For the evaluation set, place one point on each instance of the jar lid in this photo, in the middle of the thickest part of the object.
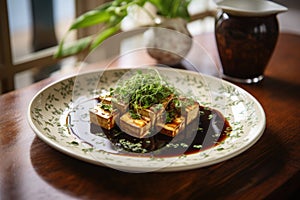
(250, 7)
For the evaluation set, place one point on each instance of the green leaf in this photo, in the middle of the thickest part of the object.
(172, 8)
(164, 7)
(182, 10)
(90, 18)
(104, 35)
(59, 51)
(175, 6)
(75, 48)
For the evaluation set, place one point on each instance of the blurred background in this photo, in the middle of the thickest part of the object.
(35, 27)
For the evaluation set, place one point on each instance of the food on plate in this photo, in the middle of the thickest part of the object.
(143, 113)
(145, 104)
(104, 116)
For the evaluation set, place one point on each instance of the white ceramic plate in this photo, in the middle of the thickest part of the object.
(49, 109)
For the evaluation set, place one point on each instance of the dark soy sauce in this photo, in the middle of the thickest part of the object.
(209, 130)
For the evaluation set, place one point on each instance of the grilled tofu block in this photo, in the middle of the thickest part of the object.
(103, 118)
(135, 127)
(190, 112)
(167, 100)
(151, 114)
(156, 111)
(121, 107)
(173, 128)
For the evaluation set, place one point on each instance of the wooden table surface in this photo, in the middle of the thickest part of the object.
(30, 169)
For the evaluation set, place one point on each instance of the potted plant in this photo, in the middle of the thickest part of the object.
(171, 14)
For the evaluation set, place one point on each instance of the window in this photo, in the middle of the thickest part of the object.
(21, 49)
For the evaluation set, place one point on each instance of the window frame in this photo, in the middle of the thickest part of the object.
(10, 67)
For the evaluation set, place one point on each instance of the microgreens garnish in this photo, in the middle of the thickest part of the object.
(107, 107)
(142, 91)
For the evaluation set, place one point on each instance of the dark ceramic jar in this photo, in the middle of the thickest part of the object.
(245, 41)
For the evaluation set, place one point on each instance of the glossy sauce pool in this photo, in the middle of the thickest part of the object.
(209, 130)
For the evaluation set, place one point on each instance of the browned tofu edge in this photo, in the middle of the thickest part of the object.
(106, 121)
(173, 128)
(137, 128)
(191, 112)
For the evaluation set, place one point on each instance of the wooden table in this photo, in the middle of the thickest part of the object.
(30, 169)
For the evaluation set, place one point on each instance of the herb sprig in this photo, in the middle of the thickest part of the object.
(143, 90)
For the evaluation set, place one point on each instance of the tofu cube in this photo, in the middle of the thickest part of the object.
(103, 118)
(151, 114)
(190, 112)
(122, 108)
(135, 127)
(173, 128)
(156, 111)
